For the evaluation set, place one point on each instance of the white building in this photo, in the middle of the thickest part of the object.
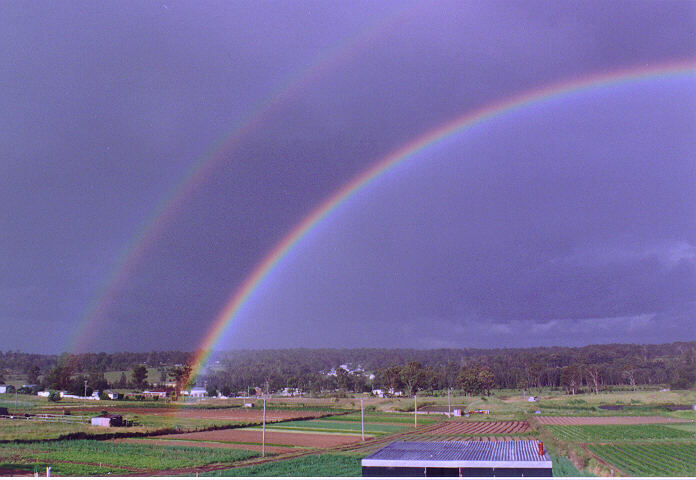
(198, 392)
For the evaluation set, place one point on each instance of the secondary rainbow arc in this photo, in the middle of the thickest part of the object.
(168, 206)
(381, 167)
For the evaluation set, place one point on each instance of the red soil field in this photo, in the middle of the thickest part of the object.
(605, 420)
(281, 438)
(178, 443)
(480, 428)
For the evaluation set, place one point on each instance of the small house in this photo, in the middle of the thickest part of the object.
(107, 421)
(198, 392)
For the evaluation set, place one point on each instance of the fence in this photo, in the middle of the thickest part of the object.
(49, 417)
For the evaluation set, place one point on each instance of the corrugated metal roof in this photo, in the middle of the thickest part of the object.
(510, 451)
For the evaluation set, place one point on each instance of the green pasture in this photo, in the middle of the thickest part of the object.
(389, 418)
(325, 465)
(125, 455)
(653, 459)
(612, 433)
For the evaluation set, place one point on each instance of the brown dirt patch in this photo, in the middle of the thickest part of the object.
(279, 438)
(605, 420)
(181, 443)
(480, 428)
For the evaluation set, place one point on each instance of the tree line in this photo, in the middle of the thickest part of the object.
(473, 371)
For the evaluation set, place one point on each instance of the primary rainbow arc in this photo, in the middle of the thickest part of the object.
(468, 120)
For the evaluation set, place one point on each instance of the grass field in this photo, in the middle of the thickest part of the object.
(338, 427)
(325, 465)
(390, 418)
(114, 455)
(611, 433)
(659, 459)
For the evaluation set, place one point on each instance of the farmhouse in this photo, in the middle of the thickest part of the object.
(155, 394)
(198, 392)
(107, 421)
(459, 459)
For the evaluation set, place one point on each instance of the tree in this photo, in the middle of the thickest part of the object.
(123, 381)
(139, 376)
(54, 397)
(413, 376)
(33, 374)
(486, 379)
(595, 375)
(182, 376)
(468, 380)
(629, 373)
(571, 377)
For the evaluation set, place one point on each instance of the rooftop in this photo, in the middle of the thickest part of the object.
(460, 454)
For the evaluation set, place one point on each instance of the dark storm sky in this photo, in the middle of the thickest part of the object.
(565, 223)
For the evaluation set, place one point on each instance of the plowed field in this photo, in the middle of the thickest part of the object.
(605, 420)
(480, 428)
(238, 435)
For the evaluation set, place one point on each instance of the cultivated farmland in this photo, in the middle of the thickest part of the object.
(605, 420)
(253, 436)
(110, 456)
(610, 433)
(481, 428)
(663, 459)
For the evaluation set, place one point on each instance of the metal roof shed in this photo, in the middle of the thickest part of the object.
(458, 459)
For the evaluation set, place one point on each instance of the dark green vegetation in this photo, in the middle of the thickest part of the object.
(64, 454)
(562, 467)
(474, 371)
(661, 459)
(610, 433)
(325, 465)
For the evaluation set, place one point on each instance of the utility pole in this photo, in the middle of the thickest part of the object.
(263, 431)
(84, 402)
(362, 420)
(415, 410)
(449, 403)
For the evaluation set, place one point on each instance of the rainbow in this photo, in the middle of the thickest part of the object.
(201, 170)
(386, 164)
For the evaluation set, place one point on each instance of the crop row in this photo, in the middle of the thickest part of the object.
(482, 428)
(325, 465)
(608, 433)
(124, 455)
(655, 459)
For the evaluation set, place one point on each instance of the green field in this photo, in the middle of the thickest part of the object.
(611, 433)
(656, 459)
(128, 456)
(326, 465)
(390, 418)
(337, 427)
